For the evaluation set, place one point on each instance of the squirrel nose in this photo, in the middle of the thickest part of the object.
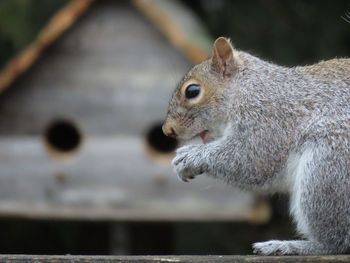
(169, 131)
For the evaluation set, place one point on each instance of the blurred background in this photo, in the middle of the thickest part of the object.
(84, 166)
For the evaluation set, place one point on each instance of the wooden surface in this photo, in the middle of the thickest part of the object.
(110, 178)
(58, 24)
(111, 75)
(177, 259)
(179, 25)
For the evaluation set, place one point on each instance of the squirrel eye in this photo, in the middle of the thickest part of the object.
(192, 91)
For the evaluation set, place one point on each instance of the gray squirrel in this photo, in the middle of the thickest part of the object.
(268, 128)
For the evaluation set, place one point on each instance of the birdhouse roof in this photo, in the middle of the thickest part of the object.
(179, 26)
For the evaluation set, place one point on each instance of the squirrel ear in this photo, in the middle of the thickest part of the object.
(223, 59)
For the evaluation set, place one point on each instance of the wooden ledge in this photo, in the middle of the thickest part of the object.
(164, 259)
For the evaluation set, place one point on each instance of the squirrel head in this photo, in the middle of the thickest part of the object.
(198, 104)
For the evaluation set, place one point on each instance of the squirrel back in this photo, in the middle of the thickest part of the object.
(338, 68)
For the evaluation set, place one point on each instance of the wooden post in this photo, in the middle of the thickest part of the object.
(120, 239)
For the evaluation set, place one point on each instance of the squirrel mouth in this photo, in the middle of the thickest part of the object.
(205, 136)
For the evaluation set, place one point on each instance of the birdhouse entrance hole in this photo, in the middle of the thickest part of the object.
(62, 137)
(158, 142)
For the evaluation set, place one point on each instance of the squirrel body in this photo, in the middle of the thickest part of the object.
(269, 128)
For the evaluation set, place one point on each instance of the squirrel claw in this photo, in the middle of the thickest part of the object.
(187, 162)
(185, 179)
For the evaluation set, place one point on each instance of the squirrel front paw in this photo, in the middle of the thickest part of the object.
(188, 162)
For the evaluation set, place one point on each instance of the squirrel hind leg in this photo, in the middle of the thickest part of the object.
(290, 247)
(320, 200)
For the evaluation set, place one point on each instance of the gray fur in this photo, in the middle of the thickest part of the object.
(287, 130)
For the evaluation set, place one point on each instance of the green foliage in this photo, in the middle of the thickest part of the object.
(289, 32)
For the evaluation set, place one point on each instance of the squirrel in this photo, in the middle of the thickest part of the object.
(268, 128)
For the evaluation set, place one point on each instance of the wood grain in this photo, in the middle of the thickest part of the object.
(174, 259)
(110, 178)
(111, 75)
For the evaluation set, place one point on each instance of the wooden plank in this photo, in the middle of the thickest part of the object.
(58, 24)
(110, 178)
(111, 75)
(179, 25)
(104, 82)
(177, 259)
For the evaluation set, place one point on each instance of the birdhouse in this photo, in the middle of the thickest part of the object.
(81, 110)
